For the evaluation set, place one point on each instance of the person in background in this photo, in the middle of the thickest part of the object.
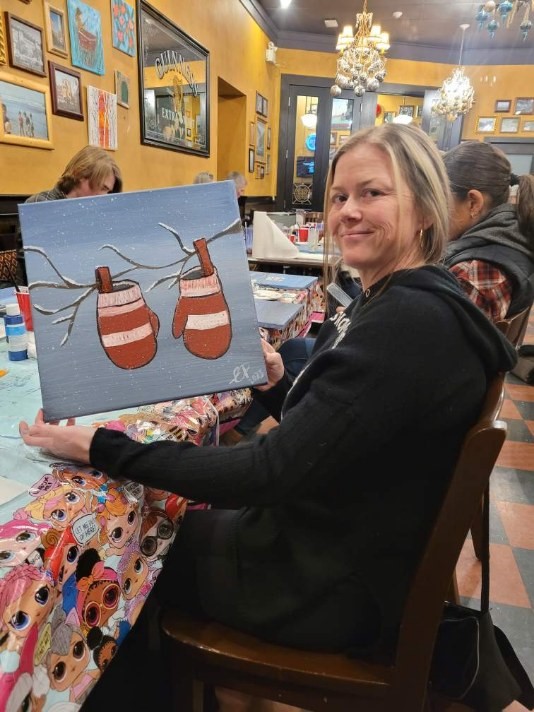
(239, 180)
(204, 177)
(92, 171)
(336, 502)
(492, 241)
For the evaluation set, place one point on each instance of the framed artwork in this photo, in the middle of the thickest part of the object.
(3, 50)
(265, 107)
(502, 106)
(418, 111)
(407, 110)
(259, 103)
(389, 116)
(528, 126)
(122, 89)
(510, 125)
(342, 138)
(102, 118)
(268, 165)
(251, 160)
(269, 138)
(524, 105)
(25, 113)
(260, 171)
(174, 85)
(25, 45)
(486, 124)
(123, 26)
(66, 88)
(252, 133)
(85, 30)
(260, 138)
(150, 352)
(56, 30)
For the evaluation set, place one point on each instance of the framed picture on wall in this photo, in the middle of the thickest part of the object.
(251, 160)
(260, 138)
(122, 89)
(66, 88)
(259, 103)
(174, 93)
(56, 30)
(389, 116)
(25, 45)
(123, 26)
(269, 138)
(486, 124)
(528, 126)
(503, 106)
(85, 34)
(407, 110)
(252, 133)
(510, 125)
(26, 112)
(265, 107)
(3, 50)
(524, 105)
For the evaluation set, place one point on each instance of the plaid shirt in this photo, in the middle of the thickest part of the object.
(486, 286)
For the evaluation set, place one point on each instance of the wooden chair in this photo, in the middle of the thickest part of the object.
(207, 652)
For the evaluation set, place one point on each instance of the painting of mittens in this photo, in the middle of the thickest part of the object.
(127, 327)
(202, 314)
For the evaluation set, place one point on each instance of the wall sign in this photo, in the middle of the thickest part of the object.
(174, 85)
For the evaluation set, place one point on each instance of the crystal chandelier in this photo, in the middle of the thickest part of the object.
(360, 65)
(456, 96)
(506, 10)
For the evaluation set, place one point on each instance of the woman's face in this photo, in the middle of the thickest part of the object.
(364, 215)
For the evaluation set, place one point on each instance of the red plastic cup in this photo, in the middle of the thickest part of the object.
(303, 234)
(23, 299)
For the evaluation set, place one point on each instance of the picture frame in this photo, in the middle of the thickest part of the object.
(260, 171)
(268, 144)
(265, 107)
(173, 96)
(510, 124)
(502, 106)
(3, 49)
(18, 125)
(342, 138)
(85, 35)
(102, 118)
(122, 89)
(251, 160)
(268, 165)
(389, 116)
(260, 138)
(524, 105)
(528, 126)
(252, 133)
(66, 89)
(123, 27)
(407, 110)
(259, 103)
(25, 45)
(486, 124)
(418, 111)
(56, 30)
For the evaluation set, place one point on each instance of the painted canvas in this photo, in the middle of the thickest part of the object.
(123, 26)
(102, 118)
(85, 30)
(140, 298)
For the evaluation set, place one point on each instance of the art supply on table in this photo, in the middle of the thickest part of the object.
(338, 294)
(23, 299)
(17, 336)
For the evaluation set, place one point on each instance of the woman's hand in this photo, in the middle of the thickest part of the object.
(70, 443)
(273, 364)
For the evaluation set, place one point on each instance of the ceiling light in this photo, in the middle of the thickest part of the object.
(284, 4)
(331, 23)
(506, 10)
(456, 95)
(397, 14)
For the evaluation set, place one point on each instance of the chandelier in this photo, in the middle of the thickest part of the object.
(507, 11)
(360, 65)
(456, 96)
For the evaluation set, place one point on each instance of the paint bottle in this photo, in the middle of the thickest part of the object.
(16, 334)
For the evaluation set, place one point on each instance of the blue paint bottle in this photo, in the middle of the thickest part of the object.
(16, 334)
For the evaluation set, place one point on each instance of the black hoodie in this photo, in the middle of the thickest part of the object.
(345, 490)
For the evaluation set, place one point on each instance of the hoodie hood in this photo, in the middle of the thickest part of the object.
(494, 349)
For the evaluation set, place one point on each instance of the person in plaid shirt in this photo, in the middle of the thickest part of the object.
(491, 252)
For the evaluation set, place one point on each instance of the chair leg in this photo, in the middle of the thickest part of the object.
(476, 532)
(187, 692)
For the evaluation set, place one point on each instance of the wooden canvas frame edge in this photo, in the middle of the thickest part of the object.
(25, 140)
(9, 16)
(116, 73)
(48, 27)
(159, 17)
(52, 69)
(3, 41)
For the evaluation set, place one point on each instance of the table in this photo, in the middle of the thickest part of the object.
(79, 552)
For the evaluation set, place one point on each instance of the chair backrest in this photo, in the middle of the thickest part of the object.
(514, 328)
(424, 606)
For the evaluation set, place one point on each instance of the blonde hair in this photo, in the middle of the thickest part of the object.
(92, 163)
(204, 177)
(416, 161)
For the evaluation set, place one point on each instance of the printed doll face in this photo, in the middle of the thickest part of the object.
(107, 653)
(134, 576)
(64, 509)
(120, 529)
(71, 553)
(16, 549)
(101, 602)
(64, 670)
(155, 543)
(90, 480)
(30, 609)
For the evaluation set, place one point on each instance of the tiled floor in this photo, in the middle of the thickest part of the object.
(511, 527)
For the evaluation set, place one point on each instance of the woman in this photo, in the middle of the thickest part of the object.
(321, 552)
(492, 248)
